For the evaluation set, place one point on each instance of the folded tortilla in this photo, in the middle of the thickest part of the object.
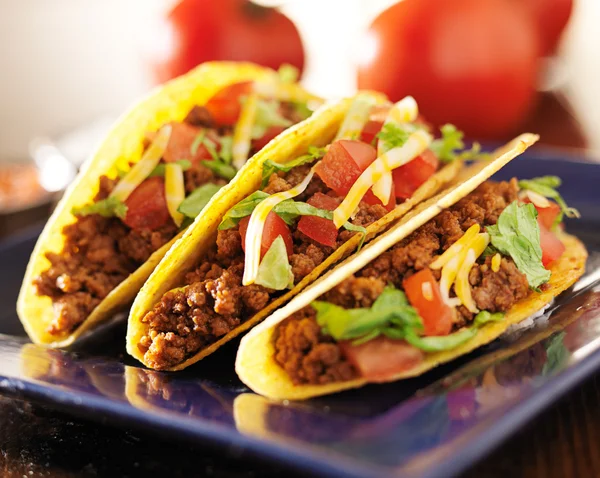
(122, 146)
(318, 130)
(255, 364)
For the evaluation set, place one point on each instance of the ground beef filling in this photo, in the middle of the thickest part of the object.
(309, 357)
(99, 253)
(187, 320)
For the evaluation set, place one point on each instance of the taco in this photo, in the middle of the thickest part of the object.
(156, 170)
(451, 276)
(333, 182)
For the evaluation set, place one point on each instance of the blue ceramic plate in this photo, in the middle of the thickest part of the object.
(436, 425)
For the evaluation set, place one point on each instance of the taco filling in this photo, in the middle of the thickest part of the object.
(432, 291)
(305, 209)
(138, 210)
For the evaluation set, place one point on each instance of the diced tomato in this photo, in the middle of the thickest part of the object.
(272, 131)
(343, 164)
(380, 359)
(409, 177)
(147, 205)
(370, 130)
(552, 247)
(182, 139)
(225, 106)
(317, 228)
(546, 215)
(423, 293)
(274, 226)
(370, 198)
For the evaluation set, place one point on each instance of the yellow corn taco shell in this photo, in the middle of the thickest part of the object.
(319, 130)
(255, 364)
(123, 145)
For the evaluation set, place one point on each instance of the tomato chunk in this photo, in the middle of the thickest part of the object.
(274, 226)
(423, 293)
(317, 228)
(380, 359)
(343, 164)
(409, 177)
(225, 106)
(182, 139)
(147, 205)
(272, 131)
(370, 130)
(552, 247)
(547, 215)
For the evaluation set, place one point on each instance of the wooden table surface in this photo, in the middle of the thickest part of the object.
(561, 442)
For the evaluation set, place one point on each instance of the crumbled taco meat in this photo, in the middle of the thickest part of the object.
(99, 253)
(215, 302)
(307, 355)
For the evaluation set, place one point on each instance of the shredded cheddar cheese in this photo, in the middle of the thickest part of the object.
(404, 111)
(142, 169)
(427, 290)
(417, 142)
(496, 262)
(456, 248)
(256, 225)
(242, 135)
(355, 119)
(174, 190)
(462, 288)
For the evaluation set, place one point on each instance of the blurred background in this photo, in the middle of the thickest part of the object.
(493, 67)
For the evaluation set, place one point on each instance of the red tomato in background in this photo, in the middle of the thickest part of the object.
(381, 358)
(196, 31)
(436, 314)
(317, 228)
(472, 63)
(274, 226)
(551, 18)
(409, 177)
(147, 205)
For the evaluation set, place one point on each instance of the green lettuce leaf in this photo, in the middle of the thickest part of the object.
(267, 115)
(270, 167)
(517, 234)
(288, 73)
(221, 168)
(546, 186)
(557, 354)
(393, 135)
(109, 207)
(275, 271)
(192, 205)
(289, 210)
(160, 169)
(450, 146)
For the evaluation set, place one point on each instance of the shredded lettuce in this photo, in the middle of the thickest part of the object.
(517, 234)
(267, 115)
(391, 315)
(288, 73)
(220, 168)
(289, 210)
(192, 205)
(393, 135)
(557, 354)
(270, 167)
(109, 207)
(160, 169)
(546, 186)
(275, 271)
(450, 146)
